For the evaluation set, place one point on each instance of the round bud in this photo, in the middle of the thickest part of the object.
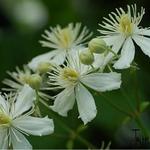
(35, 81)
(97, 45)
(86, 57)
(43, 67)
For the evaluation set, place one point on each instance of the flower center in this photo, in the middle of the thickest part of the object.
(4, 119)
(69, 75)
(65, 38)
(125, 25)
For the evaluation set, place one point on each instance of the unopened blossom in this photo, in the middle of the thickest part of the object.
(61, 41)
(121, 30)
(16, 120)
(19, 78)
(73, 79)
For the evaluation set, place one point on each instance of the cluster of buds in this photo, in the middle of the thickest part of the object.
(97, 46)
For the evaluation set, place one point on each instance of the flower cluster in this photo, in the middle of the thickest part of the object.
(74, 67)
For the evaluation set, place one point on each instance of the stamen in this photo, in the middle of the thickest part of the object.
(125, 25)
(4, 119)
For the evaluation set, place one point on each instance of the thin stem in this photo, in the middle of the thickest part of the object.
(136, 116)
(136, 92)
(37, 109)
(114, 53)
(116, 106)
(143, 128)
(132, 115)
(127, 99)
(81, 139)
(109, 67)
(59, 135)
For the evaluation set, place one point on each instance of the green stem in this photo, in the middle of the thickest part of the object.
(81, 139)
(115, 54)
(127, 99)
(143, 128)
(37, 109)
(136, 116)
(131, 115)
(116, 106)
(136, 92)
(109, 67)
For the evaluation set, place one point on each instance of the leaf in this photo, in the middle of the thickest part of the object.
(144, 105)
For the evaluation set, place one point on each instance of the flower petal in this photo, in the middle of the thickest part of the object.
(64, 101)
(18, 140)
(142, 31)
(74, 60)
(34, 126)
(59, 58)
(102, 81)
(42, 58)
(116, 41)
(143, 43)
(86, 104)
(127, 55)
(98, 60)
(3, 139)
(24, 101)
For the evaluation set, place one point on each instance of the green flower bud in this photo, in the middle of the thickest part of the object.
(97, 45)
(43, 67)
(35, 81)
(86, 57)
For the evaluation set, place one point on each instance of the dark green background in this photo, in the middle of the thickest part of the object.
(19, 43)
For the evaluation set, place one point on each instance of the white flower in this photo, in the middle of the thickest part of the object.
(19, 79)
(61, 41)
(72, 79)
(15, 119)
(120, 30)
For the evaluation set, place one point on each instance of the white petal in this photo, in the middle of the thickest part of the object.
(64, 101)
(34, 126)
(24, 101)
(143, 43)
(102, 81)
(18, 140)
(3, 139)
(127, 55)
(46, 57)
(116, 42)
(86, 104)
(98, 60)
(142, 32)
(59, 58)
(74, 60)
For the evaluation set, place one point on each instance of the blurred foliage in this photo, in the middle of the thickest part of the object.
(21, 26)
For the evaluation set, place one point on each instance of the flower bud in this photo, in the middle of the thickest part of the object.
(43, 67)
(35, 81)
(86, 57)
(97, 45)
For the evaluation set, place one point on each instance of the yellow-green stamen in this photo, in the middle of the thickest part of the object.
(126, 25)
(69, 74)
(65, 38)
(4, 119)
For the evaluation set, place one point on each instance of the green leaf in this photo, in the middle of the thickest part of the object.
(144, 105)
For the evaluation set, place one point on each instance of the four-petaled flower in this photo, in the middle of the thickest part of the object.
(61, 41)
(15, 120)
(119, 32)
(73, 78)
